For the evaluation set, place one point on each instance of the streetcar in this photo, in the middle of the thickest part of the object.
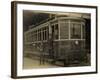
(61, 39)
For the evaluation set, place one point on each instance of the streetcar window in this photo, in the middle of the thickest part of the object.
(75, 31)
(45, 34)
(83, 29)
(56, 31)
(36, 35)
(52, 31)
(33, 36)
(40, 35)
(64, 30)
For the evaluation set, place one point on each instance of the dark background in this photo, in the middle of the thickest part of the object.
(32, 18)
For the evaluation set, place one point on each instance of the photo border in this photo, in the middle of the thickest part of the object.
(14, 37)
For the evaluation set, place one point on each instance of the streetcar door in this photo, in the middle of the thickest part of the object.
(50, 42)
(53, 45)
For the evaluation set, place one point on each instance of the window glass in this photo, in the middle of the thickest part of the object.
(36, 35)
(83, 29)
(64, 30)
(75, 31)
(33, 36)
(52, 31)
(40, 35)
(56, 31)
(45, 34)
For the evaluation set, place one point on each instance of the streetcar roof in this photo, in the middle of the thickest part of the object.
(46, 22)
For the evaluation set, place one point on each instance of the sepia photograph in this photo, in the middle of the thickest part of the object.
(53, 39)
